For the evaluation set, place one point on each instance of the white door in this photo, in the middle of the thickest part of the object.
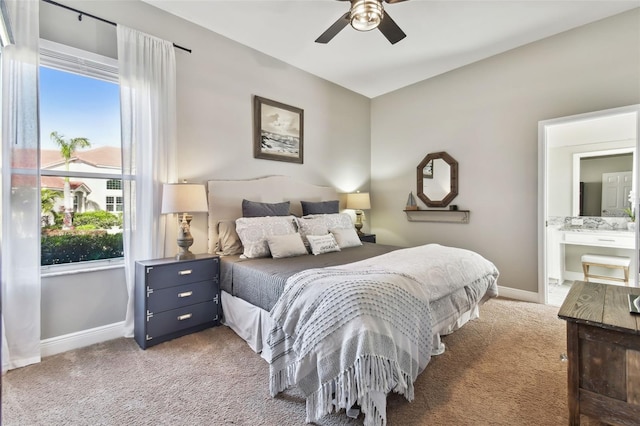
(615, 193)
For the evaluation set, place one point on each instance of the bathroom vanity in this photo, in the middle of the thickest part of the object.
(596, 241)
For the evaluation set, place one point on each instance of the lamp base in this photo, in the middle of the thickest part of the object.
(185, 240)
(186, 255)
(359, 223)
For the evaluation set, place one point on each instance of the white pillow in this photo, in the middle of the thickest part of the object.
(322, 243)
(346, 237)
(254, 231)
(311, 226)
(288, 245)
(334, 220)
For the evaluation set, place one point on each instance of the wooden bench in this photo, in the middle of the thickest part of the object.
(605, 261)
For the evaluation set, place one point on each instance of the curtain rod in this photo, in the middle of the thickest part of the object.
(81, 13)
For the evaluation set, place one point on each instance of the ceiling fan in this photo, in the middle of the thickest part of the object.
(366, 15)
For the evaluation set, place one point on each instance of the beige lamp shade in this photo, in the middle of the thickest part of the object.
(358, 201)
(183, 198)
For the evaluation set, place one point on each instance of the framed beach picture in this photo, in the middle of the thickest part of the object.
(278, 131)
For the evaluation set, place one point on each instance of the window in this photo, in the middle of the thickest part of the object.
(80, 156)
(114, 204)
(114, 184)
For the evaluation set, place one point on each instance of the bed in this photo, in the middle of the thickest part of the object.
(349, 324)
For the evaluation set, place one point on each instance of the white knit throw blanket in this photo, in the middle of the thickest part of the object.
(351, 334)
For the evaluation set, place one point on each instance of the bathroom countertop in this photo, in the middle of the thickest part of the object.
(599, 231)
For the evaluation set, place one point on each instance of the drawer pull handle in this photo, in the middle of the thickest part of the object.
(184, 317)
(606, 240)
(185, 272)
(185, 294)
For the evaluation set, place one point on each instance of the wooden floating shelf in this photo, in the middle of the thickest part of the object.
(457, 216)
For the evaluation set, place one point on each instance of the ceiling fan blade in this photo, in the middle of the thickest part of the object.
(394, 1)
(334, 29)
(390, 29)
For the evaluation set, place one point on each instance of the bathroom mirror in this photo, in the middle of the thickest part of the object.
(602, 181)
(437, 179)
(573, 149)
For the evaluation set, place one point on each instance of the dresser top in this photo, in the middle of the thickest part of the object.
(601, 305)
(167, 260)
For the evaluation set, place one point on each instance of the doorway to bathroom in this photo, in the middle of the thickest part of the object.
(588, 195)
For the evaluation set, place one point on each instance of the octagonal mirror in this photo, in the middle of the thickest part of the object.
(437, 178)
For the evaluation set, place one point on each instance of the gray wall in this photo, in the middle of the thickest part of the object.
(486, 115)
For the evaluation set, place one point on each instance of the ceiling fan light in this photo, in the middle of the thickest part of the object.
(366, 15)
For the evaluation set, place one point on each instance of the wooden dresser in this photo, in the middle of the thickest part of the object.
(603, 348)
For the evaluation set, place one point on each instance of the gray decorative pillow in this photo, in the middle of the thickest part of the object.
(288, 245)
(228, 240)
(336, 220)
(319, 207)
(254, 231)
(321, 244)
(346, 237)
(257, 209)
(311, 226)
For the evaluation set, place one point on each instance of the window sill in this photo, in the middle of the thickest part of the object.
(81, 268)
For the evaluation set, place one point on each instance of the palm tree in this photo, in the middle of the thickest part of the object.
(67, 148)
(48, 199)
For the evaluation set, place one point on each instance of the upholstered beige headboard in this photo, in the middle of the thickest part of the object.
(225, 197)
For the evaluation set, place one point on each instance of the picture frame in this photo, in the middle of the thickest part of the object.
(278, 131)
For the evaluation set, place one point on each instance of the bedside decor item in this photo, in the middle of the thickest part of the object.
(184, 198)
(278, 131)
(359, 201)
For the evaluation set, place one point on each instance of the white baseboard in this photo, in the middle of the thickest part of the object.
(514, 293)
(80, 339)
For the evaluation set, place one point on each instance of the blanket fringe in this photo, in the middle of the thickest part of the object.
(365, 383)
(282, 380)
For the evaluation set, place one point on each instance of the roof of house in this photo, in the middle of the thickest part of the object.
(57, 183)
(104, 156)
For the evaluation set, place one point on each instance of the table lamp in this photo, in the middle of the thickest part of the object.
(359, 201)
(184, 198)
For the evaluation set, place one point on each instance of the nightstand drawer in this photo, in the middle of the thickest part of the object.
(179, 296)
(179, 319)
(179, 273)
(368, 238)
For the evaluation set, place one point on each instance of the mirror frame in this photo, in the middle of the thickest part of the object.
(575, 176)
(453, 190)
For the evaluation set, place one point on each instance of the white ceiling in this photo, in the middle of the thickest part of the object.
(441, 35)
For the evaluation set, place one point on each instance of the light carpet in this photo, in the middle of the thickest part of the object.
(504, 368)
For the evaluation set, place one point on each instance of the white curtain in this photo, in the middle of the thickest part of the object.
(20, 189)
(148, 108)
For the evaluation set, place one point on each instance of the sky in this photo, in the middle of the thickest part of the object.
(77, 106)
